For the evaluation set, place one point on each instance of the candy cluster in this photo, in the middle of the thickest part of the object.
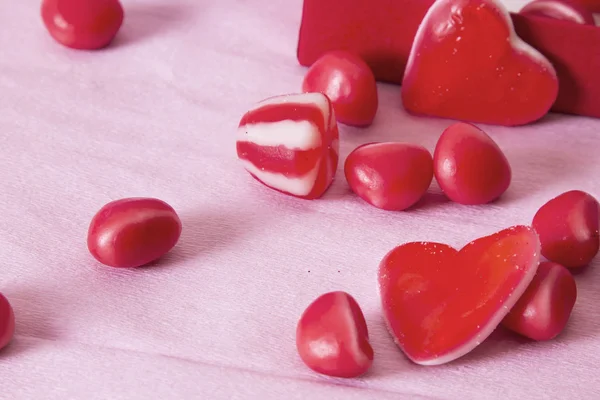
(438, 302)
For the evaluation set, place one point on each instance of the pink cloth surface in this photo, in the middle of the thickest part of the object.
(156, 115)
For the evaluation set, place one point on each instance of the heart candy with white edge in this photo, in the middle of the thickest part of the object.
(467, 63)
(290, 143)
(440, 303)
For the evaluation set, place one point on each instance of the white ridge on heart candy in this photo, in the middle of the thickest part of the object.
(516, 42)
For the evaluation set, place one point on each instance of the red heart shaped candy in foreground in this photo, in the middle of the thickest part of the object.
(390, 176)
(82, 24)
(332, 337)
(469, 166)
(132, 232)
(568, 228)
(559, 9)
(440, 303)
(7, 322)
(348, 82)
(290, 143)
(467, 63)
(544, 309)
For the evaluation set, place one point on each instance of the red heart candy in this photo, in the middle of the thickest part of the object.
(440, 303)
(132, 232)
(568, 228)
(543, 310)
(467, 63)
(82, 24)
(559, 9)
(348, 82)
(290, 143)
(332, 337)
(7, 322)
(390, 176)
(469, 166)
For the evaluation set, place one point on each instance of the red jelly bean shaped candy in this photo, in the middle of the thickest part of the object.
(132, 232)
(559, 9)
(290, 143)
(568, 228)
(467, 63)
(7, 322)
(543, 310)
(469, 166)
(332, 337)
(390, 176)
(82, 24)
(348, 82)
(440, 303)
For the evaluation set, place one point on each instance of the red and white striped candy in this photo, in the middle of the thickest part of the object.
(290, 143)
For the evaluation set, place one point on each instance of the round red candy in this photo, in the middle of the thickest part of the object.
(132, 232)
(568, 228)
(469, 166)
(390, 176)
(543, 311)
(332, 337)
(82, 24)
(348, 82)
(7, 322)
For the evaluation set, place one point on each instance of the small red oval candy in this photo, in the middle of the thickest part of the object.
(566, 10)
(7, 322)
(132, 232)
(350, 84)
(568, 228)
(544, 309)
(332, 337)
(82, 24)
(469, 166)
(390, 176)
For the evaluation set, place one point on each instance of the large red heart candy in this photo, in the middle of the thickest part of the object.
(440, 303)
(290, 143)
(467, 63)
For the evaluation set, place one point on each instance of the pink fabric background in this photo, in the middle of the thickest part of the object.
(155, 115)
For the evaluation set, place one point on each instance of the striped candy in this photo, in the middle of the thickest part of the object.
(290, 143)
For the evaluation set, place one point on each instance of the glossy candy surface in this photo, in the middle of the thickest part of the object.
(568, 228)
(132, 232)
(332, 337)
(440, 303)
(544, 309)
(348, 82)
(559, 9)
(7, 322)
(291, 143)
(467, 63)
(469, 166)
(82, 24)
(390, 176)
